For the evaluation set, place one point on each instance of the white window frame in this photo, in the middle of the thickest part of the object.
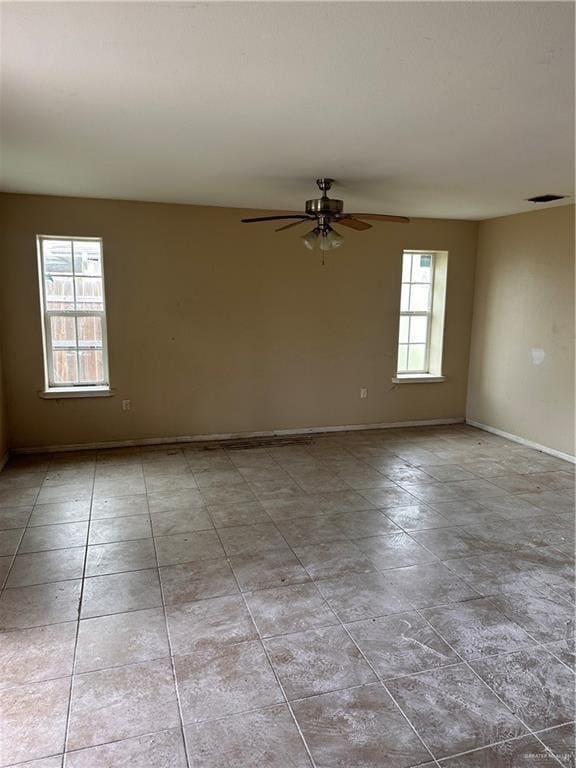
(52, 388)
(421, 313)
(431, 371)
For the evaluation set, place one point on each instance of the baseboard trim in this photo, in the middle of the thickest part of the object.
(234, 435)
(523, 441)
(4, 460)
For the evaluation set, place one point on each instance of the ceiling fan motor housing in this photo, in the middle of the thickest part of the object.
(324, 206)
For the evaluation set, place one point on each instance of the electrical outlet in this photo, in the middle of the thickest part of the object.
(363, 393)
(126, 405)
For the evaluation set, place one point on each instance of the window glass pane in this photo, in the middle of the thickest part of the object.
(65, 364)
(422, 268)
(89, 288)
(419, 329)
(419, 298)
(416, 357)
(59, 292)
(91, 367)
(89, 331)
(63, 332)
(404, 325)
(405, 297)
(72, 273)
(57, 256)
(402, 358)
(406, 262)
(87, 258)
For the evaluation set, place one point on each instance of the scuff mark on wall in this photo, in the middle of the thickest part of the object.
(538, 355)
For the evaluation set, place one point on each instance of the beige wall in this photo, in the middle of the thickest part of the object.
(522, 356)
(218, 327)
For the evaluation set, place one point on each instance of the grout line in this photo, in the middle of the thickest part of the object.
(484, 683)
(265, 650)
(363, 656)
(383, 684)
(74, 655)
(496, 744)
(172, 665)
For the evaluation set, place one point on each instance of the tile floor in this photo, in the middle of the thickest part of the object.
(378, 599)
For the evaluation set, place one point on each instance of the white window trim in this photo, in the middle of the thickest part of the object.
(435, 314)
(52, 390)
(91, 391)
(417, 378)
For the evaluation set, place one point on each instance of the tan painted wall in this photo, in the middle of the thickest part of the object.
(524, 301)
(218, 327)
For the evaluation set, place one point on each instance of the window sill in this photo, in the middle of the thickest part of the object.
(418, 378)
(66, 392)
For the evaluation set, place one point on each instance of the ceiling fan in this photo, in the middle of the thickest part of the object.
(325, 212)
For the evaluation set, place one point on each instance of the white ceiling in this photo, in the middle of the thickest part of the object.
(437, 109)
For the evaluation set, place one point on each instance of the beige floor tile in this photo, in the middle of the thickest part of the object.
(401, 644)
(61, 536)
(288, 609)
(166, 502)
(68, 492)
(17, 497)
(122, 702)
(188, 547)
(14, 517)
(5, 565)
(267, 738)
(197, 581)
(272, 568)
(105, 488)
(46, 567)
(234, 494)
(157, 750)
(363, 595)
(225, 681)
(22, 607)
(10, 541)
(120, 556)
(251, 539)
(202, 625)
(33, 720)
(122, 638)
(338, 558)
(358, 727)
(180, 521)
(120, 592)
(119, 529)
(37, 654)
(60, 512)
(119, 506)
(227, 515)
(317, 661)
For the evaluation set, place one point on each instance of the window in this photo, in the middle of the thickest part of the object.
(422, 303)
(73, 313)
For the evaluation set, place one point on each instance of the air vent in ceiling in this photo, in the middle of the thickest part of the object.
(545, 198)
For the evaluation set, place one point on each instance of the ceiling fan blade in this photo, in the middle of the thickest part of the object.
(380, 217)
(293, 224)
(274, 218)
(348, 221)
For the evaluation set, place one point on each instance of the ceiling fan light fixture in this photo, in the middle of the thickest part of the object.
(326, 240)
(333, 239)
(310, 240)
